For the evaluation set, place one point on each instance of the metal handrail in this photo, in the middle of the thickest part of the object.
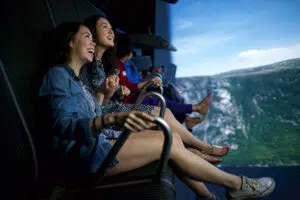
(122, 139)
(164, 158)
(156, 75)
(125, 134)
(160, 98)
(144, 90)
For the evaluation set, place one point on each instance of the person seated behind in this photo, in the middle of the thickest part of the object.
(144, 74)
(77, 128)
(124, 52)
(155, 69)
(132, 72)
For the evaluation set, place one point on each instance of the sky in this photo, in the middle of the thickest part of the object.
(215, 36)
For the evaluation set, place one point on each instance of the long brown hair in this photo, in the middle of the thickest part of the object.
(109, 56)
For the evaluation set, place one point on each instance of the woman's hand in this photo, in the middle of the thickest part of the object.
(113, 80)
(109, 86)
(133, 121)
(156, 81)
(124, 90)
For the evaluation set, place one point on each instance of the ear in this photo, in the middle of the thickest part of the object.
(71, 43)
(129, 56)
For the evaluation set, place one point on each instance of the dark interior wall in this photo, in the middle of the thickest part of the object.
(22, 23)
(134, 16)
(163, 28)
(22, 26)
(72, 10)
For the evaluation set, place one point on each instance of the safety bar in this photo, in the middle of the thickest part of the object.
(156, 75)
(144, 90)
(122, 139)
(164, 158)
(160, 98)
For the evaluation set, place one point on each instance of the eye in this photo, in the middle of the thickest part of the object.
(88, 35)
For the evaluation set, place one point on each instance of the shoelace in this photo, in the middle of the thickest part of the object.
(252, 184)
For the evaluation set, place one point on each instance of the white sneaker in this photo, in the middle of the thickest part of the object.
(252, 188)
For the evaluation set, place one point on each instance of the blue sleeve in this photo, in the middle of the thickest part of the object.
(132, 72)
(56, 91)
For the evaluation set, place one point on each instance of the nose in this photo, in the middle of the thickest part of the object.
(111, 31)
(93, 44)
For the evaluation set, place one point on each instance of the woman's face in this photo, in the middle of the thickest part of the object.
(82, 45)
(105, 34)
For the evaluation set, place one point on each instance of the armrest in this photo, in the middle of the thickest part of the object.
(144, 90)
(160, 98)
(163, 162)
(155, 75)
(162, 124)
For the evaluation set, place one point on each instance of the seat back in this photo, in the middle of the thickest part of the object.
(142, 62)
(18, 151)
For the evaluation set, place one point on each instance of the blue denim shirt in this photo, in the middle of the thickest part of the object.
(132, 72)
(70, 117)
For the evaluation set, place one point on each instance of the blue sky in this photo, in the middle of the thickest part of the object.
(214, 36)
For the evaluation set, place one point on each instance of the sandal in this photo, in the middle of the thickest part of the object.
(210, 159)
(216, 150)
(205, 156)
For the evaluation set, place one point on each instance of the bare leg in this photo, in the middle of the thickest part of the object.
(145, 147)
(186, 136)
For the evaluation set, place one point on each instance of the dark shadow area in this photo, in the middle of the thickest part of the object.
(287, 182)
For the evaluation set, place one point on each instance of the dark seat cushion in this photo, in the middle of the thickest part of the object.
(141, 183)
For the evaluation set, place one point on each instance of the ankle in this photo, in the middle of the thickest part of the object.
(194, 107)
(238, 183)
(234, 183)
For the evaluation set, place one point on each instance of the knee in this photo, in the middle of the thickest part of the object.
(177, 143)
(176, 136)
(168, 114)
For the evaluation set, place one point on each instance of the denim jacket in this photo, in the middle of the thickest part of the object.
(70, 117)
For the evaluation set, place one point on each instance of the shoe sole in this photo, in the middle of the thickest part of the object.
(265, 193)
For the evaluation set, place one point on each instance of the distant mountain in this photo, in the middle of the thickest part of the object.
(257, 116)
(286, 64)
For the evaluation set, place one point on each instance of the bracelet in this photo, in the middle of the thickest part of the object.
(102, 121)
(94, 124)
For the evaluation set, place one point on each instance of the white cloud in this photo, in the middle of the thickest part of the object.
(183, 24)
(242, 60)
(196, 44)
(256, 57)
